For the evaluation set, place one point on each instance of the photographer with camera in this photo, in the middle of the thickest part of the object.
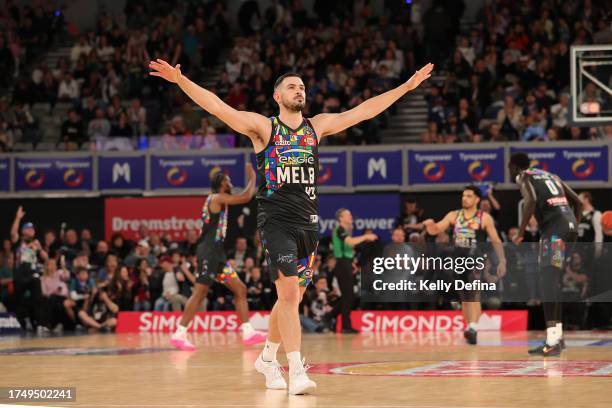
(29, 256)
(99, 311)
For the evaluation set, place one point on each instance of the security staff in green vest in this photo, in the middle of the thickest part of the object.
(343, 244)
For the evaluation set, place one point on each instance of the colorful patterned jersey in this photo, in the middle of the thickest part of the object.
(467, 232)
(214, 227)
(551, 203)
(288, 170)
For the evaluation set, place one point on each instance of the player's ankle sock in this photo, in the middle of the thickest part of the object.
(473, 326)
(181, 330)
(269, 351)
(552, 336)
(295, 361)
(559, 327)
(247, 330)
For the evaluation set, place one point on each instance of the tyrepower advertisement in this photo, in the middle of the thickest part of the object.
(161, 215)
(365, 321)
(429, 321)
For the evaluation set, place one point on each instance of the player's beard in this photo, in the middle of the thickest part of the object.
(294, 105)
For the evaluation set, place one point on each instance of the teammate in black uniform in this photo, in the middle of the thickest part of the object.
(212, 263)
(556, 208)
(288, 163)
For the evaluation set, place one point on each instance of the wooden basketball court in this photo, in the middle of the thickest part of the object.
(366, 370)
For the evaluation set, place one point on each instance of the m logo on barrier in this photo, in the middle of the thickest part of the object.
(379, 166)
(121, 170)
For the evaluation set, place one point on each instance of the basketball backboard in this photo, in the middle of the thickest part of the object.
(591, 85)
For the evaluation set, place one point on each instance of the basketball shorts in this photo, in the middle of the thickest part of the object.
(211, 270)
(292, 251)
(554, 244)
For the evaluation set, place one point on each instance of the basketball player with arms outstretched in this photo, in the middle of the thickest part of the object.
(288, 163)
(557, 208)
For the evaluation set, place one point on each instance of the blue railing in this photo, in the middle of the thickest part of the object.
(342, 169)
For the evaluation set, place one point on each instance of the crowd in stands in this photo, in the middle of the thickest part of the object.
(76, 279)
(504, 77)
(508, 75)
(344, 55)
(104, 81)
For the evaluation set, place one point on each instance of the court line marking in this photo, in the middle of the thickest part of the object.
(305, 399)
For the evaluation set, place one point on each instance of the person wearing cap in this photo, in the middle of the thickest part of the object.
(29, 255)
(142, 250)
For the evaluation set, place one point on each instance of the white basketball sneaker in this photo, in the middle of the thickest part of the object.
(299, 383)
(273, 373)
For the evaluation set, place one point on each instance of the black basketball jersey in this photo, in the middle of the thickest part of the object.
(288, 171)
(214, 228)
(551, 203)
(586, 228)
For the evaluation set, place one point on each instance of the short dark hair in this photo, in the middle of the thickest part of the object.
(474, 189)
(79, 269)
(520, 160)
(281, 78)
(216, 180)
(588, 196)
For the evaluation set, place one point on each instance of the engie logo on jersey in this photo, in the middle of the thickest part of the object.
(290, 169)
(293, 157)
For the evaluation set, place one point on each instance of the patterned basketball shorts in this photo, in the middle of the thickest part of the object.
(222, 272)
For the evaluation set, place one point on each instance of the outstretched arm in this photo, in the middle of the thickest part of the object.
(233, 199)
(493, 200)
(354, 241)
(250, 124)
(15, 226)
(326, 124)
(434, 228)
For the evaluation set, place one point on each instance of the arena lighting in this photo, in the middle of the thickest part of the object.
(589, 108)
